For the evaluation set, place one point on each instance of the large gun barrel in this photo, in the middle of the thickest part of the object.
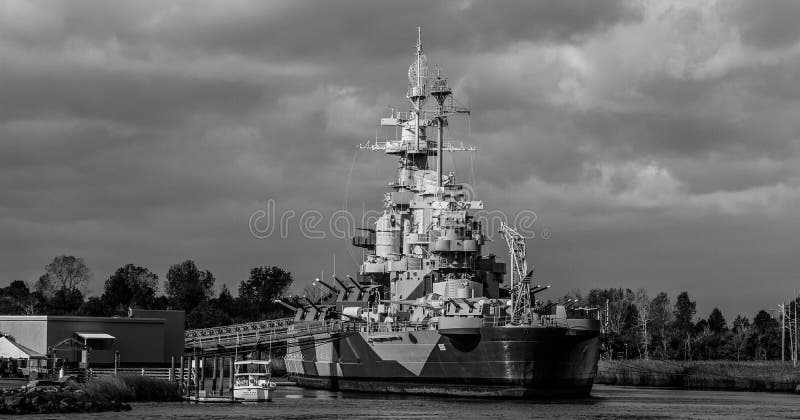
(310, 302)
(358, 286)
(286, 305)
(538, 289)
(298, 303)
(344, 286)
(328, 286)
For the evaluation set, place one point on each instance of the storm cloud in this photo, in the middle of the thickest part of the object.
(656, 141)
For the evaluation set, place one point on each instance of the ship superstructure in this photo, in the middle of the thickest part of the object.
(429, 311)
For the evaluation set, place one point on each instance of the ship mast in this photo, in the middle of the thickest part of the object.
(420, 96)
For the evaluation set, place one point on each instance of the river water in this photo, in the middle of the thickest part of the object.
(607, 402)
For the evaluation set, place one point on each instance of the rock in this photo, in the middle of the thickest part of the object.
(12, 400)
(41, 382)
(64, 406)
(37, 400)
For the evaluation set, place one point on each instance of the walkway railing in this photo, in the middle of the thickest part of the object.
(266, 325)
(242, 335)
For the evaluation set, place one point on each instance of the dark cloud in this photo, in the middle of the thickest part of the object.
(768, 24)
(642, 134)
(116, 95)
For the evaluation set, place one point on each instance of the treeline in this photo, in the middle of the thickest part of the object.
(59, 291)
(637, 326)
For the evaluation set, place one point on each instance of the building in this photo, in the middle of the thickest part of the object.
(16, 359)
(145, 338)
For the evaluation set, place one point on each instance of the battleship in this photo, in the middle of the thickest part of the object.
(430, 311)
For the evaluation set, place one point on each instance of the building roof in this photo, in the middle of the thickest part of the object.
(95, 336)
(13, 350)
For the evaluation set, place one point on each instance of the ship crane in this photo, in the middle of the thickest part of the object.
(520, 277)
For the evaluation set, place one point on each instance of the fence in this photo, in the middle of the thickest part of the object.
(160, 373)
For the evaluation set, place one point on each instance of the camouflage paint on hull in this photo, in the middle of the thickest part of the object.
(524, 362)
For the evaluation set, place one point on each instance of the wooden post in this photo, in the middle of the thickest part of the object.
(197, 376)
(221, 375)
(202, 374)
(180, 377)
(172, 369)
(231, 381)
(213, 374)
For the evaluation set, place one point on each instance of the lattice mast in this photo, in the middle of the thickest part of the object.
(520, 277)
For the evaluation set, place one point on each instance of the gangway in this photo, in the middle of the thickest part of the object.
(224, 339)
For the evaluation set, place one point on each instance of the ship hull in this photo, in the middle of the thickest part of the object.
(516, 362)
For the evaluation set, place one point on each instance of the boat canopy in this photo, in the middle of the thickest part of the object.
(252, 367)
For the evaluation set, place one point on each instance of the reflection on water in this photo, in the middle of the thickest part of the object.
(606, 402)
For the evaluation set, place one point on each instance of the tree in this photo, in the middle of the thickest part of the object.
(642, 303)
(716, 322)
(684, 312)
(64, 302)
(206, 315)
(264, 285)
(661, 316)
(683, 325)
(68, 272)
(315, 293)
(16, 290)
(94, 306)
(13, 298)
(741, 334)
(187, 286)
(44, 286)
(765, 343)
(130, 286)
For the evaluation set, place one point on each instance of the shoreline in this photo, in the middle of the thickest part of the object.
(755, 376)
(97, 395)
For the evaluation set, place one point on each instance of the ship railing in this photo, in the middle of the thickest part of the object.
(496, 321)
(236, 338)
(402, 326)
(414, 263)
(269, 324)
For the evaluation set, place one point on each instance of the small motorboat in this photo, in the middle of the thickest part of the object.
(252, 381)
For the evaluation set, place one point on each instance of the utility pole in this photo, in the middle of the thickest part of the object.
(794, 359)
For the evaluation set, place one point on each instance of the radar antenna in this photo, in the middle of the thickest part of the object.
(520, 277)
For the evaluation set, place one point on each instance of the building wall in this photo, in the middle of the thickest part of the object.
(30, 331)
(139, 341)
(150, 340)
(174, 327)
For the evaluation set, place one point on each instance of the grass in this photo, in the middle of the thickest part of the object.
(125, 388)
(749, 376)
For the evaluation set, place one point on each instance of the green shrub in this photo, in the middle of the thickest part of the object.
(750, 375)
(132, 388)
(110, 388)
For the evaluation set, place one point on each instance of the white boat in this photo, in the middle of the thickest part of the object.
(251, 381)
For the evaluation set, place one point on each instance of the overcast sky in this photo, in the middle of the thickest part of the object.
(656, 140)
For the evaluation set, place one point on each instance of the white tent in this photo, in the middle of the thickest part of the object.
(24, 358)
(10, 349)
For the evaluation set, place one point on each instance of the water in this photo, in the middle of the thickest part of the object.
(607, 402)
